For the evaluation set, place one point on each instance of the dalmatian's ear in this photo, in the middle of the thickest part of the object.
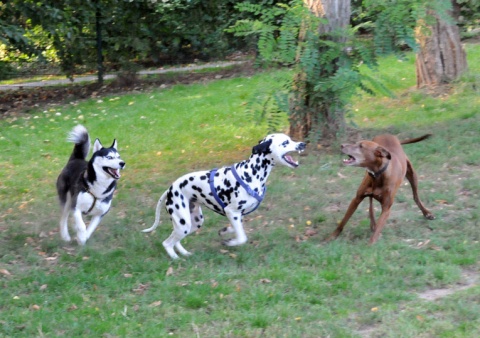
(262, 148)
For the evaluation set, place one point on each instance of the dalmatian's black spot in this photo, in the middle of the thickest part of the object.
(196, 219)
(199, 226)
(191, 178)
(186, 232)
(183, 205)
(170, 211)
(235, 218)
(183, 184)
(176, 193)
(203, 177)
(177, 206)
(182, 221)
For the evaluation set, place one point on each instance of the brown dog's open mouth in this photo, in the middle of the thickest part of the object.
(350, 160)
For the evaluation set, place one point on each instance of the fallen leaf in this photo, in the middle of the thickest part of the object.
(43, 287)
(35, 307)
(5, 272)
(374, 309)
(155, 304)
(169, 271)
(72, 307)
(127, 275)
(310, 232)
(265, 281)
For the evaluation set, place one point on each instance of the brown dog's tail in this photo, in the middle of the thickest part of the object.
(417, 139)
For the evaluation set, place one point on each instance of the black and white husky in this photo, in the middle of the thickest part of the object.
(87, 187)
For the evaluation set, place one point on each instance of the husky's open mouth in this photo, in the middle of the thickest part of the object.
(115, 173)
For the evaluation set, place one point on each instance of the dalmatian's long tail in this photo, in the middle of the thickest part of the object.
(157, 213)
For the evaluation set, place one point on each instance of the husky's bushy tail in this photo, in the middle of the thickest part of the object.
(79, 136)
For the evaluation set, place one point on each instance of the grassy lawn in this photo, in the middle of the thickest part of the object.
(286, 282)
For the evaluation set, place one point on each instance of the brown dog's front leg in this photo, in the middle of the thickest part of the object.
(387, 203)
(351, 209)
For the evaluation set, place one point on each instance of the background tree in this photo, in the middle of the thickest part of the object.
(440, 57)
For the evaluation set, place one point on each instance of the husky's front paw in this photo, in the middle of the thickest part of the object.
(82, 239)
(65, 236)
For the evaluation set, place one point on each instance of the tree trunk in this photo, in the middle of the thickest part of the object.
(441, 58)
(305, 115)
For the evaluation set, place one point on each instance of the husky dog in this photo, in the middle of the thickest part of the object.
(87, 187)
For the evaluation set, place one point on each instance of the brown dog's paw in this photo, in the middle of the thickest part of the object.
(430, 216)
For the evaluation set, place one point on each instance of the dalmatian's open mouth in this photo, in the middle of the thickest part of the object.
(115, 173)
(290, 160)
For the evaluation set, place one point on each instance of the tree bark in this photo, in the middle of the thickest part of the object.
(304, 114)
(441, 58)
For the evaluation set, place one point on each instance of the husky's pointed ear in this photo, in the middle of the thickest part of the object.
(97, 145)
(114, 144)
(262, 148)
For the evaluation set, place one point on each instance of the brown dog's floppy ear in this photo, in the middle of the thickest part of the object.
(382, 152)
(262, 148)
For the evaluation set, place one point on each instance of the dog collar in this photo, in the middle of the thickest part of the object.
(378, 173)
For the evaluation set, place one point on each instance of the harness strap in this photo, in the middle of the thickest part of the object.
(249, 190)
(94, 201)
(378, 173)
(91, 194)
(214, 191)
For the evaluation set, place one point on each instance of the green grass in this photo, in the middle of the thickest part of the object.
(283, 283)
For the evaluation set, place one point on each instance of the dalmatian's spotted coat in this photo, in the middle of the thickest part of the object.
(184, 198)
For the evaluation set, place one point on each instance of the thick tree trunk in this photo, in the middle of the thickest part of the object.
(305, 116)
(441, 58)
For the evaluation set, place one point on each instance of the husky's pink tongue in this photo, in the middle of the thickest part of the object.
(115, 173)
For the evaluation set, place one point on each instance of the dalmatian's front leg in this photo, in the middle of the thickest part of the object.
(235, 218)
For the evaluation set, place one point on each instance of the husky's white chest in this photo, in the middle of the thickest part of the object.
(87, 203)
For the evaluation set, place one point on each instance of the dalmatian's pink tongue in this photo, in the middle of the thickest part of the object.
(290, 160)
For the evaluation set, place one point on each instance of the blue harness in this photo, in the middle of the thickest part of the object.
(249, 190)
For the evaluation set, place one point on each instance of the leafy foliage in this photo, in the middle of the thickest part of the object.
(325, 68)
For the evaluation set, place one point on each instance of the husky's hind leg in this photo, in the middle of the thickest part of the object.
(64, 219)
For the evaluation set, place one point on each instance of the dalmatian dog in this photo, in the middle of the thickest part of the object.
(232, 191)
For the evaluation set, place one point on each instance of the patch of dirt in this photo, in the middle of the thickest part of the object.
(469, 279)
(14, 102)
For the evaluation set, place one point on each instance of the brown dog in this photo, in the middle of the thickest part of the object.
(387, 165)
